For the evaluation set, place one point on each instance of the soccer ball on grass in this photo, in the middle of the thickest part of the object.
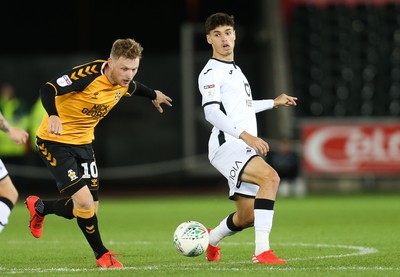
(191, 238)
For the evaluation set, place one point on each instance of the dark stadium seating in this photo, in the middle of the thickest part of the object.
(345, 60)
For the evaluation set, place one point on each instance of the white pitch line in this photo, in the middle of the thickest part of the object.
(359, 250)
(183, 267)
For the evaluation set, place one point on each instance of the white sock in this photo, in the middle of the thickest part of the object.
(4, 214)
(220, 232)
(262, 227)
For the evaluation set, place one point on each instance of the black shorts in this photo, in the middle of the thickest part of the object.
(73, 166)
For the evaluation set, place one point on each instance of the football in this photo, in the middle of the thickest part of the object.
(191, 238)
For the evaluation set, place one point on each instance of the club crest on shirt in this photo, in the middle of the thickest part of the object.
(64, 81)
(94, 96)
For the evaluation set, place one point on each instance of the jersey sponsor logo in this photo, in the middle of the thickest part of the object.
(64, 81)
(97, 111)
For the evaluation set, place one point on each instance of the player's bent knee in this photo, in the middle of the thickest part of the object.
(82, 213)
(271, 177)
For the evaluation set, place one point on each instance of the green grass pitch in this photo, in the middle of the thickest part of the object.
(339, 235)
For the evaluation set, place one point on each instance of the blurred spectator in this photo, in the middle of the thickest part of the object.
(17, 113)
(12, 107)
(286, 161)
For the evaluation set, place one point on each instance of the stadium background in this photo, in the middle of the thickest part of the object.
(341, 58)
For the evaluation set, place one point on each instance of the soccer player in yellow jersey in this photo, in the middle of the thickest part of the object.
(75, 101)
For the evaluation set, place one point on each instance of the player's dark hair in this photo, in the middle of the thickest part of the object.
(127, 48)
(219, 19)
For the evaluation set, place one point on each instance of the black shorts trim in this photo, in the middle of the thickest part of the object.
(233, 197)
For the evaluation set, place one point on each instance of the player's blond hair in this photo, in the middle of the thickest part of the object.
(127, 48)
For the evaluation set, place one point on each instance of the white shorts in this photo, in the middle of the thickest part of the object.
(3, 170)
(230, 160)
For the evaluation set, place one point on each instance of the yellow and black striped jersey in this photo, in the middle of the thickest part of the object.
(83, 96)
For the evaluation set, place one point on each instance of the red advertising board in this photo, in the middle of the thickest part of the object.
(333, 147)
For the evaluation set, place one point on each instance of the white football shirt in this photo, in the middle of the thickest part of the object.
(223, 84)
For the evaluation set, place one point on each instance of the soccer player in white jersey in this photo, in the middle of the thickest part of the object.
(8, 192)
(235, 150)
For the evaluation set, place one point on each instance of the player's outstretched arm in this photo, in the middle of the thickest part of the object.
(17, 135)
(285, 100)
(161, 99)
